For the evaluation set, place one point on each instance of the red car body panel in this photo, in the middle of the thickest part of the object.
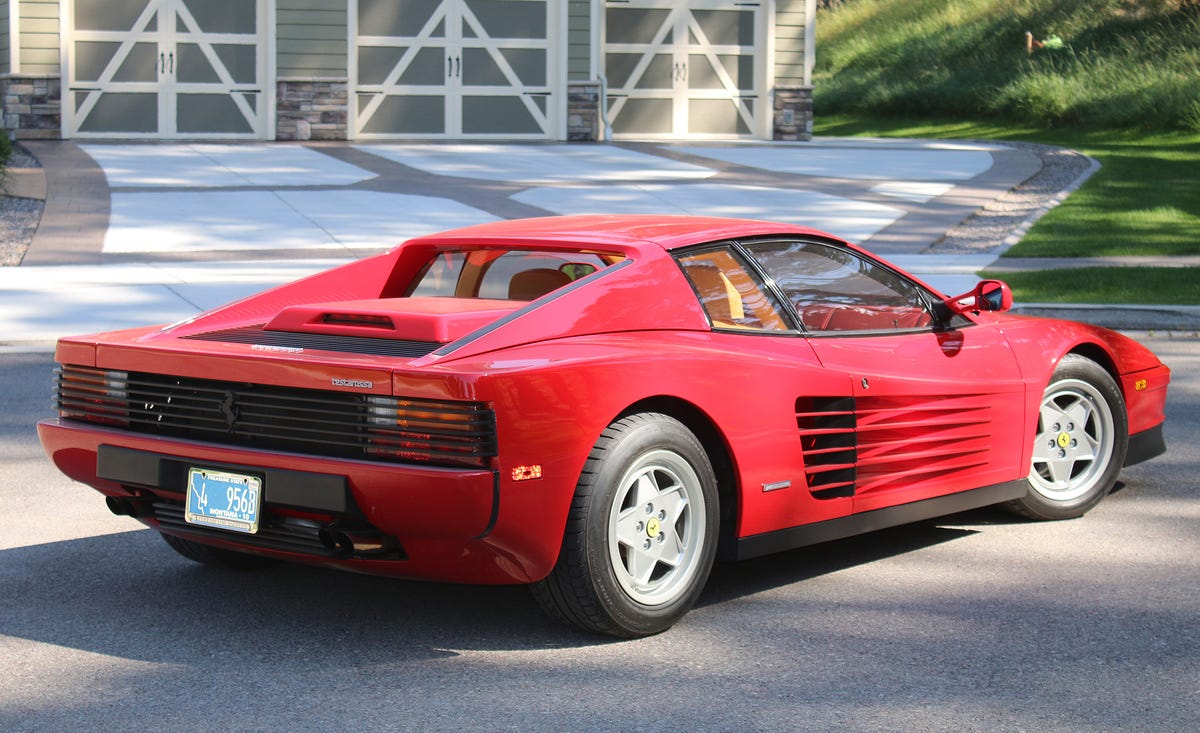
(939, 412)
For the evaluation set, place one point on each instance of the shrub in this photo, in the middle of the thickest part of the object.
(5, 150)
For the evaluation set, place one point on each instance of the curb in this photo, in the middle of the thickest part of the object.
(1119, 317)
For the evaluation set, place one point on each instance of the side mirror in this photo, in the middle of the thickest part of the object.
(988, 295)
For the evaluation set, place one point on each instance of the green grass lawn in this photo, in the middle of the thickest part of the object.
(1118, 63)
(1144, 200)
(1143, 285)
(1122, 87)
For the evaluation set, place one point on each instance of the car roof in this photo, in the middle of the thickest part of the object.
(621, 232)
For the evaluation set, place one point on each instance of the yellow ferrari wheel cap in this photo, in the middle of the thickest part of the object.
(1064, 439)
(653, 528)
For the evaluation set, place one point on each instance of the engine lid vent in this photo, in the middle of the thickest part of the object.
(436, 320)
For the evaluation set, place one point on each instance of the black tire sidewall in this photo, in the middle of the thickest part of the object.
(635, 437)
(1085, 370)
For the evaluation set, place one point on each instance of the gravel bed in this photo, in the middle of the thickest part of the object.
(987, 230)
(18, 217)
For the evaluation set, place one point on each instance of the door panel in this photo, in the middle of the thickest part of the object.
(935, 413)
(118, 112)
(931, 410)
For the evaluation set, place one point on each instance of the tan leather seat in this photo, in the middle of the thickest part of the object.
(533, 284)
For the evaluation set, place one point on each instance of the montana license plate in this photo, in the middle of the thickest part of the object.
(224, 500)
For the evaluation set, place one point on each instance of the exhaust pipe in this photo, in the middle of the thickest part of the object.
(346, 543)
(124, 506)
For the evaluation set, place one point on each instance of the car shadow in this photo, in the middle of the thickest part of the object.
(732, 580)
(128, 595)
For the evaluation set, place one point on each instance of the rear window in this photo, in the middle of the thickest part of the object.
(506, 274)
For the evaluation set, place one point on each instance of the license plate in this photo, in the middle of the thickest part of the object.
(225, 500)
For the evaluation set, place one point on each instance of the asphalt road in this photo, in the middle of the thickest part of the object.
(978, 622)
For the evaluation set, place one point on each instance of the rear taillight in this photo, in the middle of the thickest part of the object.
(95, 395)
(439, 432)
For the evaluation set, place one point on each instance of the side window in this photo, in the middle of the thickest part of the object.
(833, 289)
(730, 295)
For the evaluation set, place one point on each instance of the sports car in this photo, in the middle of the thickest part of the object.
(597, 406)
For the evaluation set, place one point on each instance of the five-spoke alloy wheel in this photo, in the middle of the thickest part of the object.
(1080, 444)
(641, 536)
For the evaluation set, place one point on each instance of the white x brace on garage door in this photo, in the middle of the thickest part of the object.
(686, 68)
(166, 68)
(455, 68)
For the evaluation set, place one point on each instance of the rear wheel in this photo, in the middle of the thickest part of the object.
(214, 555)
(1082, 437)
(642, 532)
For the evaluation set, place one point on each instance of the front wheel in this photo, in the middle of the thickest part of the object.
(641, 535)
(1082, 436)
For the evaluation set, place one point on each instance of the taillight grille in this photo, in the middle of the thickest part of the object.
(96, 395)
(268, 417)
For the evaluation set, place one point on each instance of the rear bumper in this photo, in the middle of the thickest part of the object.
(435, 523)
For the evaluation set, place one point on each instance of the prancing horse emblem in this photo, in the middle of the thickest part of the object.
(229, 411)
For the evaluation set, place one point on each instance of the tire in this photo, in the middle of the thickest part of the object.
(642, 531)
(214, 555)
(1082, 436)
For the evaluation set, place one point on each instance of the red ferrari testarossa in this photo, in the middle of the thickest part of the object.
(597, 406)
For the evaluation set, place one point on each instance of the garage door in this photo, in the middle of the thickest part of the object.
(166, 68)
(455, 69)
(685, 68)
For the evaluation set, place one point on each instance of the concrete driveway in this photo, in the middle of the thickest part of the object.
(148, 233)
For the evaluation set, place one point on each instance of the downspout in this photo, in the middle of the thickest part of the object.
(810, 40)
(597, 50)
(606, 135)
(14, 37)
(810, 52)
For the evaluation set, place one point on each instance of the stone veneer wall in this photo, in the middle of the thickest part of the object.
(311, 110)
(583, 111)
(793, 116)
(31, 106)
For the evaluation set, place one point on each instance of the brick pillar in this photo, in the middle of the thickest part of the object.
(311, 110)
(793, 113)
(583, 111)
(31, 106)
